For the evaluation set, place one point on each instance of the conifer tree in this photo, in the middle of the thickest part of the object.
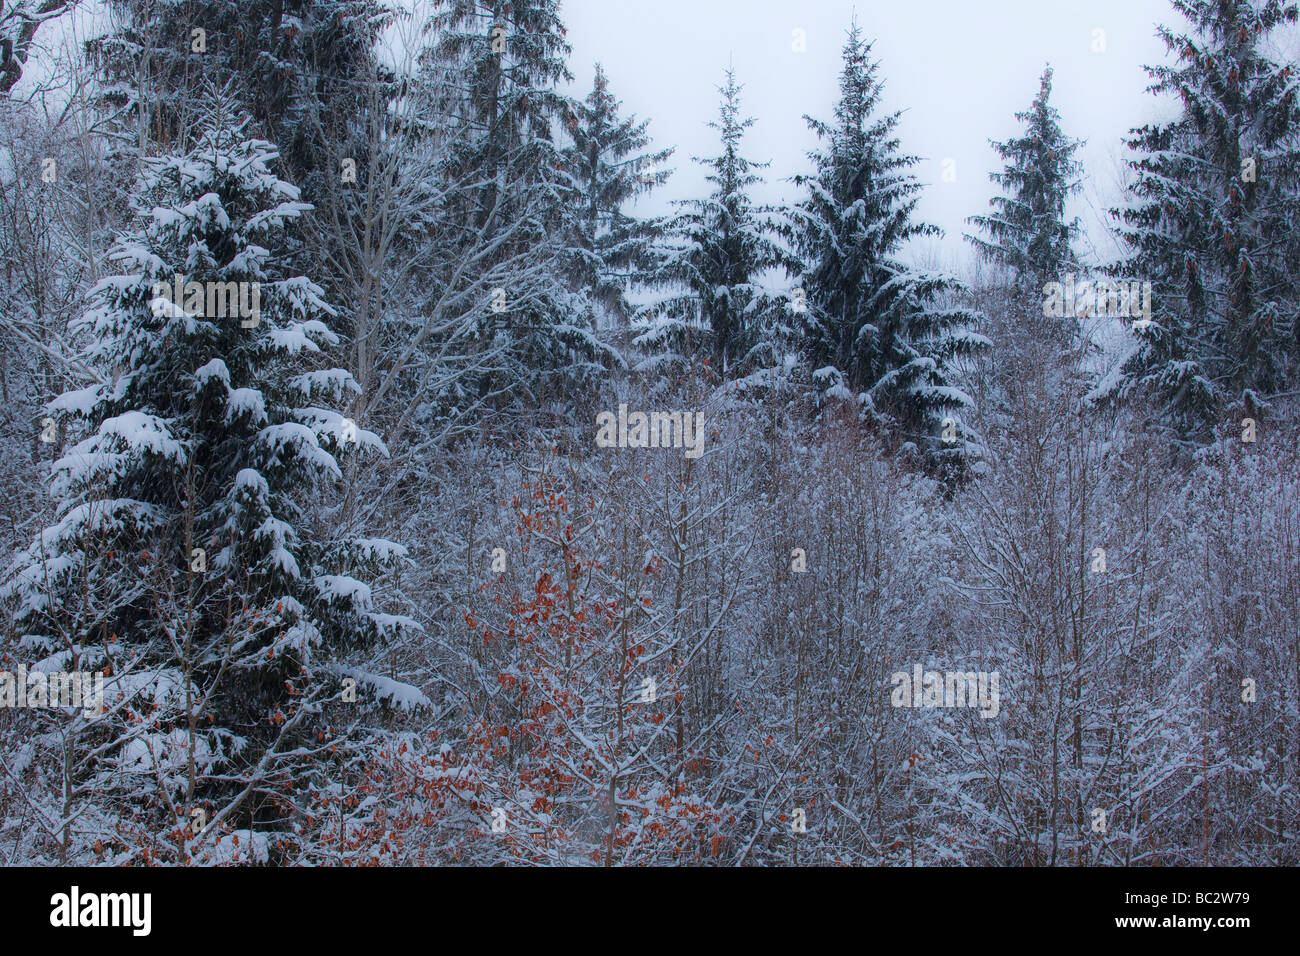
(1029, 236)
(1213, 224)
(873, 326)
(715, 252)
(184, 558)
(613, 249)
(511, 188)
(1028, 232)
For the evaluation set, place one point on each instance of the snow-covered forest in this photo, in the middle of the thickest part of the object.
(382, 486)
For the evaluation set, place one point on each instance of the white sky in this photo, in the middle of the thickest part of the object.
(960, 69)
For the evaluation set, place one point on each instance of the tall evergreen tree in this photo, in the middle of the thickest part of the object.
(184, 555)
(510, 184)
(1028, 232)
(1215, 223)
(612, 248)
(1037, 355)
(716, 250)
(873, 325)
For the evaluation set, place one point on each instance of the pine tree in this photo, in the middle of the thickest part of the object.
(1028, 233)
(872, 325)
(614, 249)
(183, 558)
(1213, 223)
(717, 249)
(510, 184)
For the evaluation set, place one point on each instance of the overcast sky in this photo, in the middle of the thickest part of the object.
(960, 69)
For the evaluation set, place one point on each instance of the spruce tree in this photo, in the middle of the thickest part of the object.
(612, 249)
(873, 326)
(508, 185)
(1038, 354)
(715, 252)
(1028, 232)
(183, 558)
(1213, 225)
